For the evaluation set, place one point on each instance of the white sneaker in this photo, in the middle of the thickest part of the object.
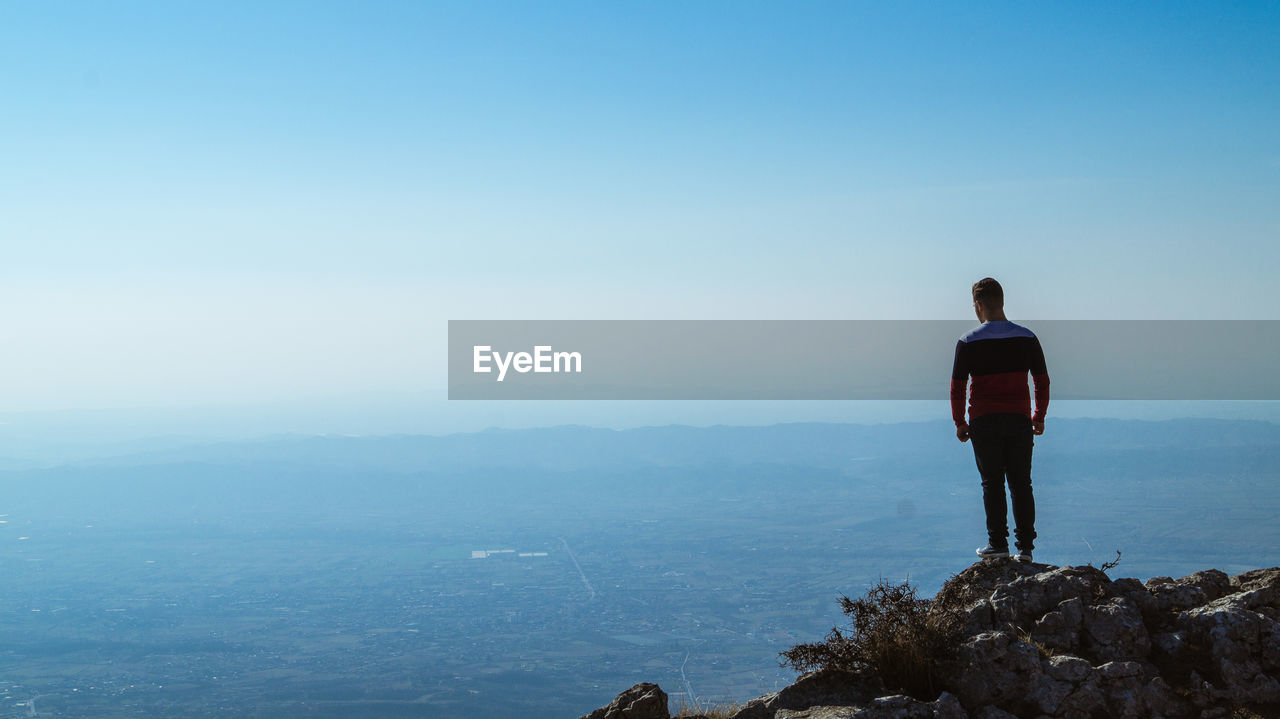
(990, 552)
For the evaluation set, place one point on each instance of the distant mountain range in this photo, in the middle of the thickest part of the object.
(575, 447)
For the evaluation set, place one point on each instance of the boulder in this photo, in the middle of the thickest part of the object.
(1025, 600)
(642, 701)
(1060, 628)
(1067, 668)
(947, 706)
(995, 668)
(822, 688)
(1243, 643)
(975, 584)
(1114, 630)
(889, 707)
(1256, 579)
(1189, 591)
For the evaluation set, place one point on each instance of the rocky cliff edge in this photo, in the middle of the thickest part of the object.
(1044, 641)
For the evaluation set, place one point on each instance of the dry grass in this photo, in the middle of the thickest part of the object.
(1256, 712)
(707, 708)
(1044, 652)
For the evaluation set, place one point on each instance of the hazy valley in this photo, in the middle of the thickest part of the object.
(541, 571)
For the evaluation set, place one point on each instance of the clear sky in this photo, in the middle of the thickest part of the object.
(231, 203)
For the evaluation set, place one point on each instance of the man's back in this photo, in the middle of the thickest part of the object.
(998, 354)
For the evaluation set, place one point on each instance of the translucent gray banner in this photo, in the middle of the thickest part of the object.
(848, 359)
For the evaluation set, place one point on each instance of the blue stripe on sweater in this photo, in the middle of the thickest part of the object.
(994, 330)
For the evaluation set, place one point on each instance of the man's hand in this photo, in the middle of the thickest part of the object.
(1037, 426)
(962, 431)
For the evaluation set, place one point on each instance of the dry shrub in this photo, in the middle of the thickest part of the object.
(894, 633)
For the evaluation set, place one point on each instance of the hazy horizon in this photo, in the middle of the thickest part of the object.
(43, 435)
(52, 437)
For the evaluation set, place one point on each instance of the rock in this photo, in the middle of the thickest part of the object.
(1060, 628)
(642, 701)
(896, 707)
(1047, 695)
(1136, 592)
(1049, 642)
(994, 668)
(1172, 652)
(1025, 600)
(1163, 701)
(1067, 668)
(976, 583)
(1177, 597)
(1256, 579)
(817, 713)
(1114, 630)
(1131, 693)
(978, 618)
(947, 706)
(1087, 699)
(889, 707)
(1243, 643)
(1112, 671)
(1189, 591)
(1128, 585)
(1214, 583)
(823, 688)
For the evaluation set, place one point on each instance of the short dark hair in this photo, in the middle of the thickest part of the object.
(988, 292)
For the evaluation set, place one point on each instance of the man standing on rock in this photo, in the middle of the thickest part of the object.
(998, 354)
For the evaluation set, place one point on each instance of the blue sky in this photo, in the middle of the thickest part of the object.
(236, 203)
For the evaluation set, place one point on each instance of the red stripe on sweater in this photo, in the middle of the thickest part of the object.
(1003, 392)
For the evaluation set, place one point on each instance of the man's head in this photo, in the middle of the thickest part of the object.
(988, 299)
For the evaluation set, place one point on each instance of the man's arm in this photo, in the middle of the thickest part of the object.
(959, 391)
(1040, 378)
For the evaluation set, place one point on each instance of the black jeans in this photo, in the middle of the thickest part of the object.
(1002, 448)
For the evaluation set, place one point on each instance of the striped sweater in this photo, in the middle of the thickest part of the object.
(998, 355)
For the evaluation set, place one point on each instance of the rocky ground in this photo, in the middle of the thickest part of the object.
(1045, 641)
